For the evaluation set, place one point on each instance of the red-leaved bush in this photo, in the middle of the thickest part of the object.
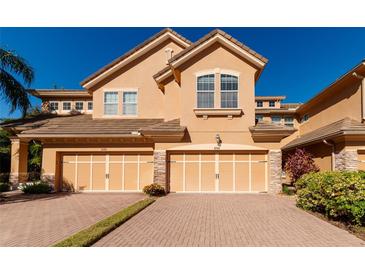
(299, 163)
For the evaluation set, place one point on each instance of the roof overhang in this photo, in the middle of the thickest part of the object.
(176, 62)
(276, 98)
(110, 69)
(347, 77)
(54, 93)
(270, 135)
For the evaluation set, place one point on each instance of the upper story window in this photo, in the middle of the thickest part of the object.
(66, 106)
(259, 118)
(276, 119)
(259, 104)
(53, 106)
(111, 103)
(205, 91)
(289, 121)
(79, 106)
(229, 91)
(89, 105)
(272, 104)
(304, 118)
(129, 103)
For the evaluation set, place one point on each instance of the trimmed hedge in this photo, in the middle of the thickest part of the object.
(36, 188)
(338, 195)
(154, 190)
(91, 235)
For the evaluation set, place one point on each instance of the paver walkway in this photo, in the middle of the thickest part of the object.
(42, 220)
(227, 220)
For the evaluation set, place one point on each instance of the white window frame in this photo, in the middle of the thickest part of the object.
(272, 121)
(259, 115)
(223, 91)
(117, 103)
(205, 91)
(54, 102)
(289, 124)
(92, 104)
(82, 105)
(261, 102)
(134, 90)
(63, 104)
(271, 101)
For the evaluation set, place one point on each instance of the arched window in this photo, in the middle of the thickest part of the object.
(205, 91)
(229, 91)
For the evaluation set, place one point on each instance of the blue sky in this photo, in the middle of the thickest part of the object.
(302, 61)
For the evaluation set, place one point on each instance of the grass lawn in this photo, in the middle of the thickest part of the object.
(92, 234)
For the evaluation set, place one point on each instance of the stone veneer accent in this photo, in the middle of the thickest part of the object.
(346, 160)
(159, 168)
(16, 178)
(275, 172)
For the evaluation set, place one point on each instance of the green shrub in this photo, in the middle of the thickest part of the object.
(338, 195)
(154, 190)
(36, 188)
(4, 187)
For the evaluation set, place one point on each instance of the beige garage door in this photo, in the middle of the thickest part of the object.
(107, 172)
(218, 172)
(361, 159)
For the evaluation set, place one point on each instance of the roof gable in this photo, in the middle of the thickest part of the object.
(214, 36)
(134, 53)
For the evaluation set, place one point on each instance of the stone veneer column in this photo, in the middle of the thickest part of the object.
(275, 171)
(159, 169)
(19, 162)
(346, 160)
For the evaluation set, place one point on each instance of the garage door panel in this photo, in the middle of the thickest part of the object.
(145, 174)
(258, 176)
(68, 172)
(208, 176)
(130, 176)
(225, 172)
(192, 176)
(242, 176)
(176, 176)
(115, 158)
(116, 175)
(83, 176)
(98, 179)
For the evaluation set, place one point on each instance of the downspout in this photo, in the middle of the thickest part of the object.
(331, 144)
(362, 78)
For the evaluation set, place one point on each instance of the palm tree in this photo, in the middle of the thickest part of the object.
(11, 89)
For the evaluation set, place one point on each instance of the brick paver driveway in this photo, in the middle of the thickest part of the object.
(43, 221)
(227, 220)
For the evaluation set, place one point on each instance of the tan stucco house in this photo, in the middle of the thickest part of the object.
(185, 115)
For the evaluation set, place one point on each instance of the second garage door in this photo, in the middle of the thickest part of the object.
(107, 172)
(218, 172)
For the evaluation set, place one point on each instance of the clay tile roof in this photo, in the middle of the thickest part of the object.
(341, 127)
(84, 124)
(290, 105)
(127, 54)
(205, 38)
(168, 126)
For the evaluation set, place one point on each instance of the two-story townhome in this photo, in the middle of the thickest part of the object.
(185, 115)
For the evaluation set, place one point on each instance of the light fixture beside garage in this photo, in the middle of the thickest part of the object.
(218, 140)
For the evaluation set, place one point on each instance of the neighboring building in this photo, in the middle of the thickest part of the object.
(185, 115)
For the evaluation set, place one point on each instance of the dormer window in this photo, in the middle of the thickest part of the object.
(259, 104)
(229, 91)
(205, 91)
(272, 104)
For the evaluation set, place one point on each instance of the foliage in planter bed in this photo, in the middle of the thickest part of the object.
(298, 163)
(36, 187)
(154, 190)
(338, 195)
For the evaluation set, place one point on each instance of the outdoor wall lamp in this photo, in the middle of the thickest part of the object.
(218, 139)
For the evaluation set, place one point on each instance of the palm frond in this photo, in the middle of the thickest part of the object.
(13, 92)
(17, 65)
